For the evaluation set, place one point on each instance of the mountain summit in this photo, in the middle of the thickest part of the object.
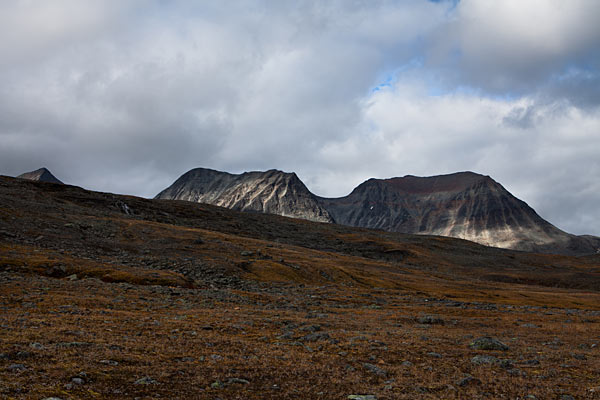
(273, 192)
(463, 205)
(40, 175)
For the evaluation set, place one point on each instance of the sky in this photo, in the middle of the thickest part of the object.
(124, 96)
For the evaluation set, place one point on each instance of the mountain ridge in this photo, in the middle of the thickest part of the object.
(272, 191)
(464, 205)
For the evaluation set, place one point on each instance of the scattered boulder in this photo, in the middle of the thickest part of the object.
(16, 367)
(430, 320)
(488, 343)
(314, 337)
(374, 369)
(78, 380)
(529, 326)
(232, 381)
(146, 380)
(468, 380)
(484, 359)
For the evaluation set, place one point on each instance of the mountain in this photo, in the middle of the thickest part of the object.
(463, 205)
(272, 192)
(40, 175)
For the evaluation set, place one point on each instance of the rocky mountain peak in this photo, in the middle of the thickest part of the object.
(272, 191)
(40, 175)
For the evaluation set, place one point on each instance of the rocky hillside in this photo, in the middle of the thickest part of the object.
(117, 297)
(272, 192)
(464, 205)
(40, 175)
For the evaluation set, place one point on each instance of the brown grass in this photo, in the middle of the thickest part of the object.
(191, 295)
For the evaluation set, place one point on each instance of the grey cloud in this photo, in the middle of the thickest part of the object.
(126, 96)
(516, 46)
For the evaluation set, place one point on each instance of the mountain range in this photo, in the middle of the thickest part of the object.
(463, 205)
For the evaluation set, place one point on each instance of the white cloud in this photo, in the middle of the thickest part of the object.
(550, 162)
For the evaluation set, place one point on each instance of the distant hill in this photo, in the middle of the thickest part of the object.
(464, 205)
(40, 175)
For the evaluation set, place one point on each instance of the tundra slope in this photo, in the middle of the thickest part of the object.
(118, 297)
(463, 205)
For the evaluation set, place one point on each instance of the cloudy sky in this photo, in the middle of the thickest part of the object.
(125, 96)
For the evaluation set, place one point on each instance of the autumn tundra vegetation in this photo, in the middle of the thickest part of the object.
(105, 296)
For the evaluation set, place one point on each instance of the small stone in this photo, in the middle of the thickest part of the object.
(36, 346)
(77, 380)
(374, 369)
(430, 320)
(406, 364)
(434, 354)
(16, 367)
(530, 326)
(484, 359)
(515, 372)
(507, 364)
(72, 277)
(146, 380)
(311, 328)
(109, 362)
(362, 397)
(468, 380)
(488, 343)
(232, 381)
(286, 335)
(314, 337)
